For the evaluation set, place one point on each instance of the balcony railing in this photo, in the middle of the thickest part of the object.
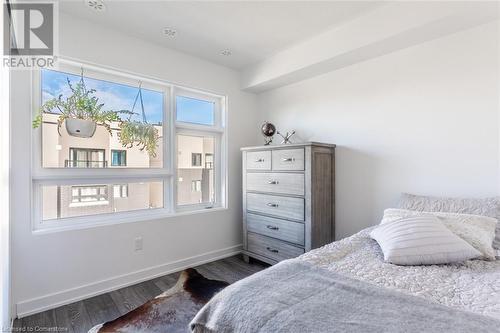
(85, 164)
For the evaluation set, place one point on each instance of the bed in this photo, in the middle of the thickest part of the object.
(346, 286)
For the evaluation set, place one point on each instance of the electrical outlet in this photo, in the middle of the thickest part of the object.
(138, 244)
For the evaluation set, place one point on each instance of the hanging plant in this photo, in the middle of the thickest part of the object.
(81, 111)
(141, 134)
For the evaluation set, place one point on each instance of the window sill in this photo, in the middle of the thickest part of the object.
(161, 214)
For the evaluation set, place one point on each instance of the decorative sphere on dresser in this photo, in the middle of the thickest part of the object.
(268, 130)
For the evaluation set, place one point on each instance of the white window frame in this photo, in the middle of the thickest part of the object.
(217, 131)
(109, 176)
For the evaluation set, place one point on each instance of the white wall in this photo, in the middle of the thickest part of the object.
(5, 274)
(53, 268)
(422, 120)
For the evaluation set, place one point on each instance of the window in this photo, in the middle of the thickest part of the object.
(209, 161)
(195, 159)
(199, 144)
(118, 157)
(196, 186)
(120, 191)
(88, 195)
(85, 181)
(85, 158)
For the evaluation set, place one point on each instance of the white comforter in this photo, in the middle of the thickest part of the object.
(472, 286)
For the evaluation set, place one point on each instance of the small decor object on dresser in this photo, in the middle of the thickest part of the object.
(286, 137)
(268, 130)
(288, 200)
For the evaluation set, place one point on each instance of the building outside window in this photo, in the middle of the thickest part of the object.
(195, 157)
(198, 183)
(118, 157)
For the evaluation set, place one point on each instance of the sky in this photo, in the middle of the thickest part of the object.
(196, 111)
(121, 97)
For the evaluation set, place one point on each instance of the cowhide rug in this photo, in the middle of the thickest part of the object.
(170, 311)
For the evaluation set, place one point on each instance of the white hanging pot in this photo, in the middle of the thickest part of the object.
(80, 128)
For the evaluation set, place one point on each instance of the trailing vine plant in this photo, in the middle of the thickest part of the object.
(143, 135)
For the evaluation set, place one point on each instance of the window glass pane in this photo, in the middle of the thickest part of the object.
(116, 191)
(62, 150)
(124, 191)
(191, 110)
(209, 161)
(196, 159)
(82, 200)
(118, 158)
(195, 183)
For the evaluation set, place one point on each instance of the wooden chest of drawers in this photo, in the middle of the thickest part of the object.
(288, 200)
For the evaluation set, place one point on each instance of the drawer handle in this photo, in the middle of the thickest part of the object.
(274, 205)
(289, 159)
(273, 182)
(272, 250)
(272, 227)
(260, 160)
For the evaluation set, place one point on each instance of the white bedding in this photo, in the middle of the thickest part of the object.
(472, 286)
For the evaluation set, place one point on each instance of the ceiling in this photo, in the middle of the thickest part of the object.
(251, 30)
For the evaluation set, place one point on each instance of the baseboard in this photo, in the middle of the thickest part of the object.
(54, 300)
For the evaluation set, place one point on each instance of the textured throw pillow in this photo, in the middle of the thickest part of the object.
(486, 207)
(421, 240)
(477, 230)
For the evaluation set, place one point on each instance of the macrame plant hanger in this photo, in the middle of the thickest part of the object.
(81, 77)
(146, 135)
(139, 96)
(82, 80)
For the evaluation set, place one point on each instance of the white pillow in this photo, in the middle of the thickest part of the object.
(421, 240)
(485, 207)
(477, 230)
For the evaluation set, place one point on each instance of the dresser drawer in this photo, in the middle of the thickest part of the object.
(286, 183)
(292, 232)
(292, 208)
(271, 248)
(288, 159)
(259, 160)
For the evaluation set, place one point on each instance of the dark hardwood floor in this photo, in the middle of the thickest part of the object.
(81, 316)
